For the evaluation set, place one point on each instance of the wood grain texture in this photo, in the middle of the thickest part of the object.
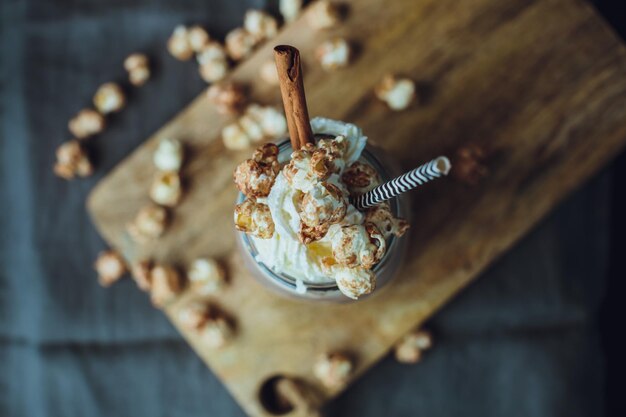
(541, 83)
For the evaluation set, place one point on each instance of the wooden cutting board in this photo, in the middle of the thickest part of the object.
(541, 83)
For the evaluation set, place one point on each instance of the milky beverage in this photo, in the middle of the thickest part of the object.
(299, 222)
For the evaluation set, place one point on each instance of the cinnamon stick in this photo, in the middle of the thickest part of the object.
(292, 90)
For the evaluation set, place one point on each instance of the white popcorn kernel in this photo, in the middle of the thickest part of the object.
(72, 161)
(138, 69)
(274, 123)
(240, 43)
(197, 38)
(178, 44)
(409, 349)
(290, 9)
(333, 54)
(206, 276)
(110, 267)
(398, 93)
(193, 315)
(166, 189)
(216, 332)
(333, 370)
(260, 24)
(168, 155)
(166, 284)
(87, 122)
(109, 98)
(323, 14)
(268, 72)
(213, 62)
(234, 137)
(149, 224)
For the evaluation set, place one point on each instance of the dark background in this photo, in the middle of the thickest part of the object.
(538, 334)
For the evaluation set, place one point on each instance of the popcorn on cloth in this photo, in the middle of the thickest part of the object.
(333, 54)
(138, 68)
(409, 349)
(333, 370)
(166, 188)
(110, 267)
(213, 62)
(140, 272)
(149, 224)
(197, 38)
(290, 9)
(168, 155)
(216, 332)
(228, 97)
(254, 218)
(166, 284)
(354, 282)
(206, 276)
(323, 14)
(87, 122)
(240, 43)
(360, 178)
(72, 161)
(179, 45)
(109, 98)
(398, 93)
(255, 177)
(260, 24)
(193, 315)
(258, 123)
(358, 245)
(385, 221)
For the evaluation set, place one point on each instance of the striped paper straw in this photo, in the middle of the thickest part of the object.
(412, 179)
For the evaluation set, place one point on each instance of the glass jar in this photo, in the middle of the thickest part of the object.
(385, 270)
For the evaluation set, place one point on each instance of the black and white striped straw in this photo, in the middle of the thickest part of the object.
(429, 171)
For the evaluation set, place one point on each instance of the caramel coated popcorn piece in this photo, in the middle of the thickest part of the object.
(138, 68)
(333, 370)
(268, 72)
(216, 332)
(213, 62)
(409, 349)
(193, 315)
(384, 220)
(260, 24)
(360, 178)
(255, 219)
(72, 161)
(240, 43)
(333, 54)
(206, 276)
(398, 93)
(197, 38)
(324, 204)
(228, 97)
(141, 271)
(149, 224)
(110, 267)
(87, 122)
(166, 284)
(358, 245)
(168, 155)
(109, 98)
(310, 165)
(166, 189)
(178, 44)
(310, 234)
(469, 165)
(255, 177)
(323, 14)
(290, 9)
(354, 282)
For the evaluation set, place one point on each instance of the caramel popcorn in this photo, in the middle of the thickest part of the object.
(149, 224)
(323, 14)
(398, 93)
(193, 315)
(216, 332)
(333, 370)
(179, 45)
(87, 122)
(310, 234)
(168, 155)
(324, 204)
(468, 166)
(140, 272)
(166, 283)
(260, 24)
(240, 43)
(110, 267)
(409, 349)
(213, 62)
(354, 282)
(255, 219)
(360, 178)
(268, 72)
(197, 38)
(228, 97)
(333, 54)
(290, 9)
(109, 98)
(72, 161)
(255, 177)
(384, 220)
(166, 189)
(138, 69)
(358, 245)
(206, 276)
